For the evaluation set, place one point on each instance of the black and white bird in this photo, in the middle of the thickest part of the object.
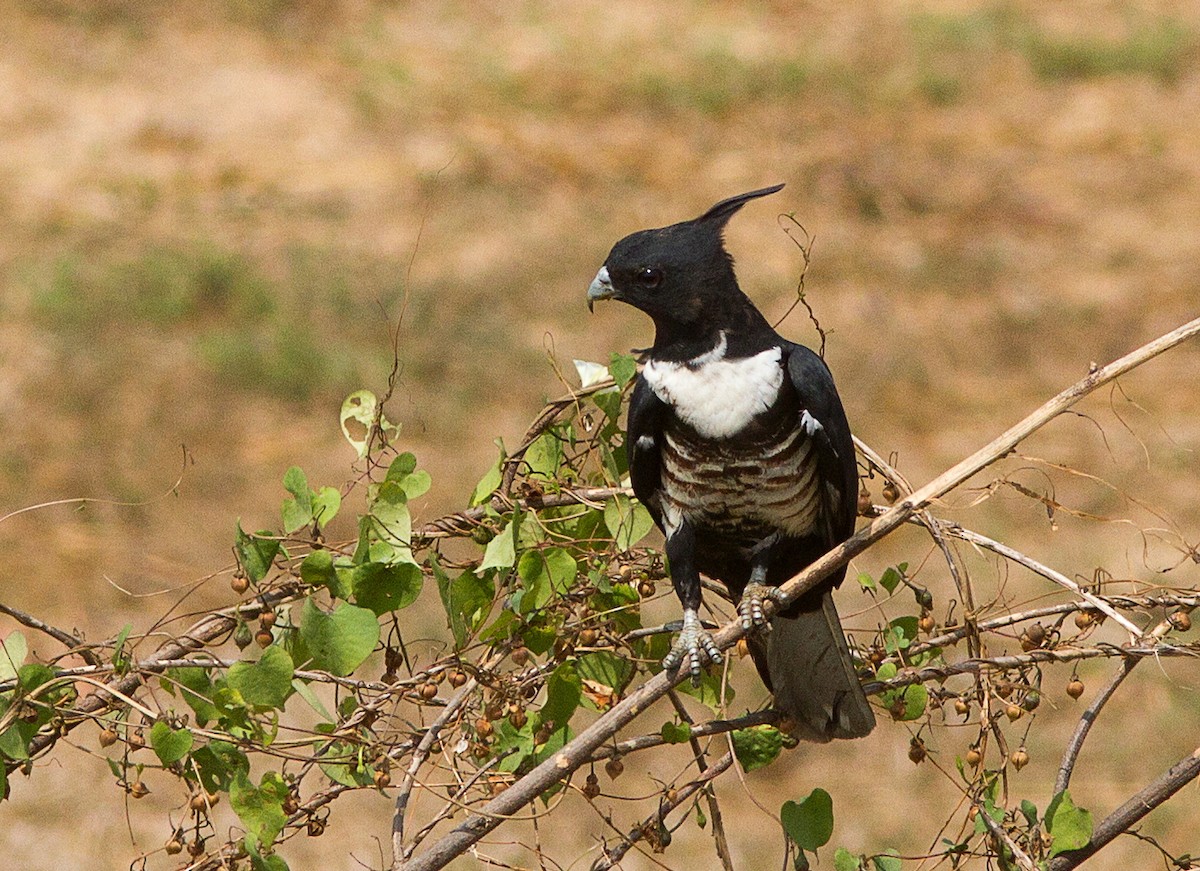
(739, 448)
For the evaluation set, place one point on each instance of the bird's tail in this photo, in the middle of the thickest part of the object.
(812, 675)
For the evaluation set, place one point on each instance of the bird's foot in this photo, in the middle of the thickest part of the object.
(695, 645)
(750, 608)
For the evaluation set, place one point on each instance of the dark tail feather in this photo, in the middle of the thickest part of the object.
(810, 671)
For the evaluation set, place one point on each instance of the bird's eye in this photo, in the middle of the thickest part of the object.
(649, 277)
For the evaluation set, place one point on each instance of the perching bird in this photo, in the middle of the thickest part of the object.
(739, 448)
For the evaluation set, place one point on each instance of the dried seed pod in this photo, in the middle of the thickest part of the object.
(672, 795)
(588, 637)
(864, 502)
(1084, 619)
(135, 739)
(1032, 699)
(458, 678)
(239, 584)
(614, 768)
(196, 848)
(1075, 688)
(173, 847)
(1181, 620)
(518, 718)
(483, 727)
(743, 648)
(428, 691)
(974, 757)
(291, 803)
(890, 492)
(108, 737)
(242, 636)
(962, 706)
(927, 624)
(138, 789)
(520, 656)
(916, 751)
(591, 787)
(646, 588)
(382, 779)
(263, 637)
(1014, 712)
(267, 618)
(1019, 758)
(316, 827)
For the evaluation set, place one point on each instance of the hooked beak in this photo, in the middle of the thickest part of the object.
(601, 288)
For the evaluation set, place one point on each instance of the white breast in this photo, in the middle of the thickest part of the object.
(715, 396)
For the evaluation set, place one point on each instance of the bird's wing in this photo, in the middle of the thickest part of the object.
(644, 446)
(822, 416)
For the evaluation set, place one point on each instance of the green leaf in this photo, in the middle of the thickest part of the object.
(675, 733)
(810, 823)
(915, 698)
(757, 746)
(544, 456)
(170, 745)
(622, 367)
(889, 860)
(891, 578)
(384, 588)
(219, 762)
(297, 511)
(358, 419)
(467, 600)
(563, 693)
(605, 668)
(545, 572)
(390, 535)
(266, 683)
(490, 480)
(197, 691)
(627, 521)
(867, 583)
(900, 634)
(318, 570)
(34, 675)
(709, 691)
(269, 862)
(255, 553)
(844, 860)
(1068, 825)
(325, 504)
(260, 808)
(340, 641)
(608, 401)
(412, 481)
(501, 551)
(13, 651)
(120, 659)
(1029, 811)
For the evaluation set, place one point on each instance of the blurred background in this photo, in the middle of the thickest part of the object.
(213, 214)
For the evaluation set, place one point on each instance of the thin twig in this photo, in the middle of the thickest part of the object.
(714, 809)
(73, 644)
(613, 856)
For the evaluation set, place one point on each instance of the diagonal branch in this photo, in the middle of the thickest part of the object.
(578, 751)
(1171, 781)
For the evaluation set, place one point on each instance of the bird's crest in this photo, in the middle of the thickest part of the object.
(724, 210)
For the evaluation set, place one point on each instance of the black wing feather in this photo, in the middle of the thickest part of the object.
(646, 413)
(837, 470)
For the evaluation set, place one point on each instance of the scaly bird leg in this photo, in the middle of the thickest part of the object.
(695, 645)
(750, 608)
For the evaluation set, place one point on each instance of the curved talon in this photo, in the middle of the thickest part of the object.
(695, 645)
(750, 608)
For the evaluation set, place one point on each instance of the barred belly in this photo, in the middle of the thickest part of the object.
(742, 492)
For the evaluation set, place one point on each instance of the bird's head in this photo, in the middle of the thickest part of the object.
(678, 274)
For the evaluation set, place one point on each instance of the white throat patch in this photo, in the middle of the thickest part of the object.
(715, 396)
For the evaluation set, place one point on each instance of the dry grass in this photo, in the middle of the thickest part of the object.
(212, 216)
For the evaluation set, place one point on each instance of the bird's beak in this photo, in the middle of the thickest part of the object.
(601, 288)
